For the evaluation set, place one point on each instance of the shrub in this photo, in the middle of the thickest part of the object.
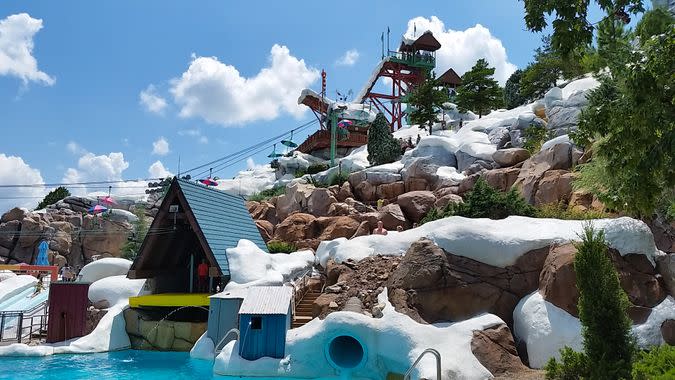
(535, 136)
(133, 245)
(573, 365)
(484, 201)
(338, 178)
(657, 364)
(561, 211)
(382, 147)
(316, 168)
(267, 194)
(280, 247)
(53, 197)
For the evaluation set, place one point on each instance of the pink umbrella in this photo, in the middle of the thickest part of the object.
(108, 200)
(97, 209)
(208, 182)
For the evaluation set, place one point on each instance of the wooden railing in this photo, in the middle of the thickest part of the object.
(321, 139)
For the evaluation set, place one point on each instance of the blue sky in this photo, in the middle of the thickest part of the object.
(65, 117)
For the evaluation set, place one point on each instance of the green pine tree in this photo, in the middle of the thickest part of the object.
(479, 92)
(603, 306)
(382, 147)
(512, 95)
(425, 102)
(133, 245)
(53, 197)
(613, 42)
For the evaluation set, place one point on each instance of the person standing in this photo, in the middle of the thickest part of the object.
(380, 230)
(202, 274)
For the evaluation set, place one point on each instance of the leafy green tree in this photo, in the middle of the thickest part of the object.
(613, 42)
(656, 21)
(382, 147)
(479, 92)
(630, 124)
(512, 95)
(657, 364)
(53, 197)
(133, 245)
(571, 28)
(425, 101)
(609, 348)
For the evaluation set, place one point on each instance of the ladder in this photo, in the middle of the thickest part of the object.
(436, 354)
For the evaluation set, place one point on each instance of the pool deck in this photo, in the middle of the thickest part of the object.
(170, 300)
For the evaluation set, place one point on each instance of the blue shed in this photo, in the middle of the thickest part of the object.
(264, 319)
(224, 316)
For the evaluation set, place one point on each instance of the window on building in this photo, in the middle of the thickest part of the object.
(256, 323)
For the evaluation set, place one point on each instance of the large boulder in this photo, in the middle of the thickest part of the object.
(501, 179)
(558, 156)
(442, 286)
(390, 190)
(365, 191)
(294, 200)
(557, 282)
(266, 229)
(392, 216)
(14, 214)
(32, 229)
(510, 157)
(108, 241)
(7, 233)
(319, 201)
(665, 265)
(263, 211)
(103, 268)
(561, 119)
(296, 227)
(581, 200)
(345, 192)
(443, 201)
(495, 349)
(416, 204)
(336, 227)
(555, 186)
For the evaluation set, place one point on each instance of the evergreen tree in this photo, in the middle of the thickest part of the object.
(479, 92)
(382, 146)
(571, 28)
(609, 348)
(425, 102)
(53, 197)
(603, 306)
(133, 245)
(655, 22)
(512, 96)
(613, 41)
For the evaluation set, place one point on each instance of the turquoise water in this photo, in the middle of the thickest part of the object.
(120, 365)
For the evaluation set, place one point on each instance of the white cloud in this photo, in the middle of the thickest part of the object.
(75, 148)
(217, 92)
(110, 167)
(461, 49)
(14, 171)
(196, 133)
(157, 170)
(160, 147)
(152, 102)
(349, 58)
(16, 49)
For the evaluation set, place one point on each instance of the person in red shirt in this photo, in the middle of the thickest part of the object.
(202, 274)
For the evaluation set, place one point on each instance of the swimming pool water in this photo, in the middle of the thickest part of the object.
(120, 365)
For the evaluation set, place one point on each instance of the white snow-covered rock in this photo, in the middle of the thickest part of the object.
(15, 285)
(114, 290)
(494, 242)
(578, 86)
(106, 267)
(248, 182)
(252, 266)
(109, 335)
(546, 329)
(449, 176)
(553, 95)
(563, 139)
(203, 349)
(390, 343)
(6, 274)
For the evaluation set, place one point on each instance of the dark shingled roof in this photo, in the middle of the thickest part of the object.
(450, 78)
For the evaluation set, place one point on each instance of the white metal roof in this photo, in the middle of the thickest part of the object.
(267, 300)
(237, 293)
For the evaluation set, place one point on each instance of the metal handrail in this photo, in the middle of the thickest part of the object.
(25, 316)
(427, 351)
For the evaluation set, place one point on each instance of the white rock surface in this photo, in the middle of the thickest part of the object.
(115, 290)
(15, 285)
(106, 267)
(493, 242)
(203, 348)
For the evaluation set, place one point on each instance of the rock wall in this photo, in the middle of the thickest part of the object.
(165, 335)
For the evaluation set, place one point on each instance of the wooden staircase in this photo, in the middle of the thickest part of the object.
(303, 312)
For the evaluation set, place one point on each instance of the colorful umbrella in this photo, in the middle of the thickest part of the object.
(208, 182)
(97, 209)
(108, 200)
(345, 123)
